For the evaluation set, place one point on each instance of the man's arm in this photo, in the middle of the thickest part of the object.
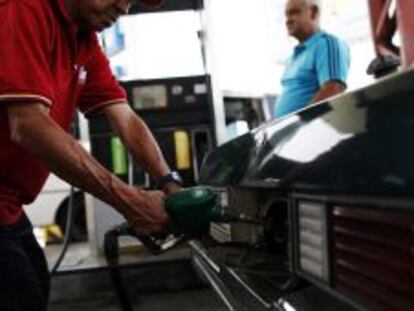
(333, 61)
(327, 90)
(33, 129)
(140, 142)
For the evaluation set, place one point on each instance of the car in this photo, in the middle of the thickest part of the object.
(333, 185)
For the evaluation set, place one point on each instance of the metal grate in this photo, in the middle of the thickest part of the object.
(313, 254)
(374, 256)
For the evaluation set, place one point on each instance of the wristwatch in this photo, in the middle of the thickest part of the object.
(171, 177)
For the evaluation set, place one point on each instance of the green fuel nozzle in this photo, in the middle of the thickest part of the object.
(193, 210)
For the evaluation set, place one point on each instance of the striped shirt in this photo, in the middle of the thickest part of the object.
(320, 59)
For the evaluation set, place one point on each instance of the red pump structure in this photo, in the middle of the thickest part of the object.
(385, 24)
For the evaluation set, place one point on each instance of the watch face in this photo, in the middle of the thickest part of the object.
(172, 177)
(176, 177)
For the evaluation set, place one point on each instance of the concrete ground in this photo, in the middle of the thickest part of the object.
(166, 282)
(189, 300)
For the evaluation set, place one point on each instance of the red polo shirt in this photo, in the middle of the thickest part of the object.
(44, 58)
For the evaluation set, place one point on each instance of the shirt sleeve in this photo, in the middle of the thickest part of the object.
(25, 41)
(101, 88)
(332, 61)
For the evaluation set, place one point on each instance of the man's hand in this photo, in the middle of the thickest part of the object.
(146, 212)
(171, 188)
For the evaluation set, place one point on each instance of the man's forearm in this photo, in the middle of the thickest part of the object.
(38, 133)
(329, 89)
(138, 139)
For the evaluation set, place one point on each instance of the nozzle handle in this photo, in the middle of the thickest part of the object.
(155, 245)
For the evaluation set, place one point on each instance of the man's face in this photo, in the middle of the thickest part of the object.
(300, 17)
(101, 14)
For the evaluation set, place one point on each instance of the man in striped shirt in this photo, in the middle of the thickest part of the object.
(319, 66)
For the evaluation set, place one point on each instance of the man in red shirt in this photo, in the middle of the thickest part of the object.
(51, 64)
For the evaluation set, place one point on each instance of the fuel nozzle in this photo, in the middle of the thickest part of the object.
(194, 209)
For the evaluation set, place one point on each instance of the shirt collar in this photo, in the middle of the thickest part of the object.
(309, 42)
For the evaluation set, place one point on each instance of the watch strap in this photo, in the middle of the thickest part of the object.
(171, 177)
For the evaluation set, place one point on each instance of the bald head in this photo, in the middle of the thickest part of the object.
(314, 3)
(302, 18)
(309, 3)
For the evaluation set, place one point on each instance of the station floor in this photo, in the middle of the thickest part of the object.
(154, 283)
(188, 300)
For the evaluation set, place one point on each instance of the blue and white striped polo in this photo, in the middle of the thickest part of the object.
(320, 59)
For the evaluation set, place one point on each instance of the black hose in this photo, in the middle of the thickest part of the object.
(74, 130)
(66, 240)
(111, 250)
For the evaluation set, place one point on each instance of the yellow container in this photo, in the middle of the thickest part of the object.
(182, 150)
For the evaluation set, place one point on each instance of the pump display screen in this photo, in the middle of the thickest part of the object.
(149, 97)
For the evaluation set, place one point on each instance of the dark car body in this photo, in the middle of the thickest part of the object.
(336, 181)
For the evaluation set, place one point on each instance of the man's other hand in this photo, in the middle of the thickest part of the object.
(171, 188)
(147, 213)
